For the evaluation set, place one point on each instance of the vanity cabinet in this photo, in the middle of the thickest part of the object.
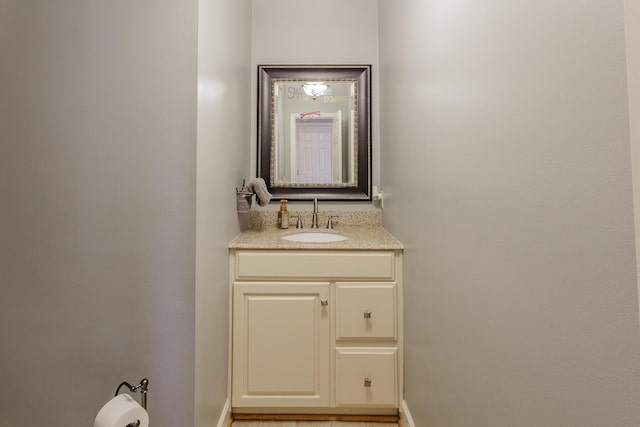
(316, 331)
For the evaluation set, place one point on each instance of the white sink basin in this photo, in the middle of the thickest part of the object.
(314, 237)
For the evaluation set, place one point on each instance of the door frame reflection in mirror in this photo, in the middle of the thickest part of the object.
(355, 183)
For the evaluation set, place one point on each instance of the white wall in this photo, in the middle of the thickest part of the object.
(506, 169)
(632, 27)
(224, 104)
(97, 207)
(342, 32)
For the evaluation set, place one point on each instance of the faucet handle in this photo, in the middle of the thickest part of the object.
(298, 219)
(330, 219)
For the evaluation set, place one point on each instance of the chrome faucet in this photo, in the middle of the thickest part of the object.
(314, 215)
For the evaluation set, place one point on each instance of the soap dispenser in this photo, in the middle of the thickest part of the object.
(283, 215)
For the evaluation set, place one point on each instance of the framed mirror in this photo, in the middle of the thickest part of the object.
(314, 131)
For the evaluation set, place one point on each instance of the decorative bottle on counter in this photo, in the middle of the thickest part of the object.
(283, 215)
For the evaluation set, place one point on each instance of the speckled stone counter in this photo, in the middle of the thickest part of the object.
(362, 229)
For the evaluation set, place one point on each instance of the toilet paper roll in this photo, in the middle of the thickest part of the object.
(121, 411)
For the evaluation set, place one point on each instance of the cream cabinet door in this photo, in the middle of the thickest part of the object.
(281, 346)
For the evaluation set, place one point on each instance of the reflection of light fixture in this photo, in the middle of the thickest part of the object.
(315, 89)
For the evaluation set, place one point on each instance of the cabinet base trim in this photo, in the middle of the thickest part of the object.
(317, 417)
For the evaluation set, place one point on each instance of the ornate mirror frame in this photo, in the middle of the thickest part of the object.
(361, 75)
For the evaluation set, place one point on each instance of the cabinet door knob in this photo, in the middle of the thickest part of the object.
(367, 382)
(324, 302)
(367, 314)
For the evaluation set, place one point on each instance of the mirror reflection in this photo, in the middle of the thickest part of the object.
(314, 138)
(314, 131)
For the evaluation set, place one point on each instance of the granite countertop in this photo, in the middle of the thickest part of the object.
(363, 231)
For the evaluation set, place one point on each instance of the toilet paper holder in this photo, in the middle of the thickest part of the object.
(143, 386)
(123, 408)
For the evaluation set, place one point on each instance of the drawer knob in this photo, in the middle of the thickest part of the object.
(324, 302)
(367, 382)
(367, 314)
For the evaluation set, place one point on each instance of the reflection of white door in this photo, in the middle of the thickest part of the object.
(331, 121)
(314, 151)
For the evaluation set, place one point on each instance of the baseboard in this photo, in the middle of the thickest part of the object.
(225, 415)
(405, 416)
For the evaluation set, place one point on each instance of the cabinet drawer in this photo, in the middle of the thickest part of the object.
(366, 376)
(283, 265)
(366, 311)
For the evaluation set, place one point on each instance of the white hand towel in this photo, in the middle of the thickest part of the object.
(258, 186)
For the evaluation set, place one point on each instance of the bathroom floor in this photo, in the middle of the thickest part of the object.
(241, 423)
